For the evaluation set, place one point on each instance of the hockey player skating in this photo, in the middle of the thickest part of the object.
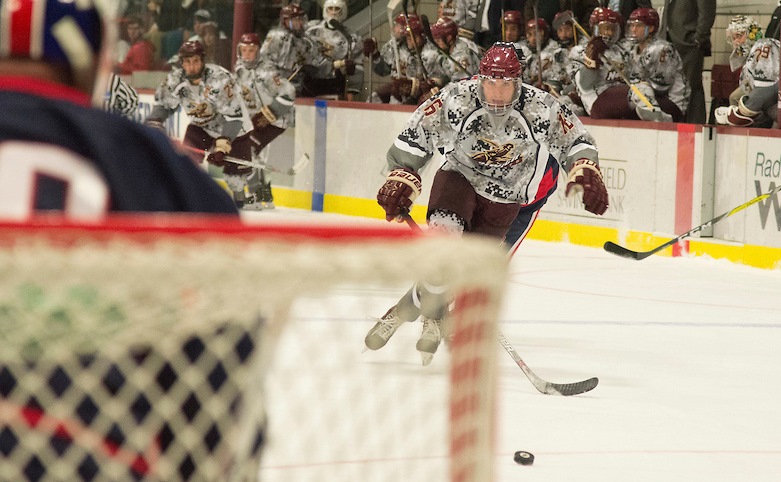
(338, 70)
(208, 95)
(62, 155)
(503, 143)
(756, 97)
(656, 63)
(269, 99)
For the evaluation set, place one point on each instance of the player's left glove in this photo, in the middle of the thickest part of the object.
(594, 50)
(585, 176)
(399, 191)
(263, 118)
(221, 148)
(735, 115)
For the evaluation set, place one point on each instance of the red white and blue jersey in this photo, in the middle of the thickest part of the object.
(59, 154)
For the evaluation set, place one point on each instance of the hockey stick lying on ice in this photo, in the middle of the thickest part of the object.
(612, 247)
(543, 386)
(300, 163)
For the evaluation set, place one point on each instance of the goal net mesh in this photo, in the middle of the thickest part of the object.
(176, 348)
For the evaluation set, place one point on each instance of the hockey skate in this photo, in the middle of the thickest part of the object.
(429, 339)
(264, 195)
(252, 203)
(381, 332)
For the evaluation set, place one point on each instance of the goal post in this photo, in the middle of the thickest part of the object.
(194, 348)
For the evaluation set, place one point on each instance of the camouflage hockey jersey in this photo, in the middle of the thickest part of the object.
(660, 65)
(408, 60)
(463, 12)
(465, 52)
(287, 51)
(263, 85)
(590, 83)
(759, 78)
(552, 60)
(332, 44)
(208, 104)
(509, 159)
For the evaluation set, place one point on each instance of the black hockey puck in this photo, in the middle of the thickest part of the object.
(524, 458)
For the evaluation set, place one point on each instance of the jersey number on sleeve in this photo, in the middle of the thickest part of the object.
(35, 176)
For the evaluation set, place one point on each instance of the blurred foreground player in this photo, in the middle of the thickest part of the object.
(503, 143)
(57, 152)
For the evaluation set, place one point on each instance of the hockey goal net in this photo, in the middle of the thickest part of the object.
(182, 348)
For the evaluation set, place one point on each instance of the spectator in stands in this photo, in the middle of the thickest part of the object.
(687, 25)
(756, 99)
(86, 162)
(337, 71)
(217, 45)
(141, 54)
(655, 62)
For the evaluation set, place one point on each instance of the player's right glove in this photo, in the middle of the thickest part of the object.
(399, 191)
(222, 146)
(585, 176)
(594, 50)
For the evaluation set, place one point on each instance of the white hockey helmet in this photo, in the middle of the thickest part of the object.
(335, 9)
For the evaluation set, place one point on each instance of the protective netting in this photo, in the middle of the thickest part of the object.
(173, 350)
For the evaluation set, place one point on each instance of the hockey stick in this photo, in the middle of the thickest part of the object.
(391, 6)
(299, 164)
(411, 36)
(427, 32)
(613, 248)
(542, 386)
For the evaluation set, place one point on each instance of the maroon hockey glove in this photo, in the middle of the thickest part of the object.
(346, 66)
(594, 50)
(263, 118)
(399, 191)
(222, 146)
(370, 48)
(585, 176)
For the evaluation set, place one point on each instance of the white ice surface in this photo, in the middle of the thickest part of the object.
(688, 353)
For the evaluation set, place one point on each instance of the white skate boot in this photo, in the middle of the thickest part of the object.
(252, 204)
(381, 332)
(429, 339)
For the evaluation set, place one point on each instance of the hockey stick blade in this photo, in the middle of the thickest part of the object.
(544, 386)
(613, 248)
